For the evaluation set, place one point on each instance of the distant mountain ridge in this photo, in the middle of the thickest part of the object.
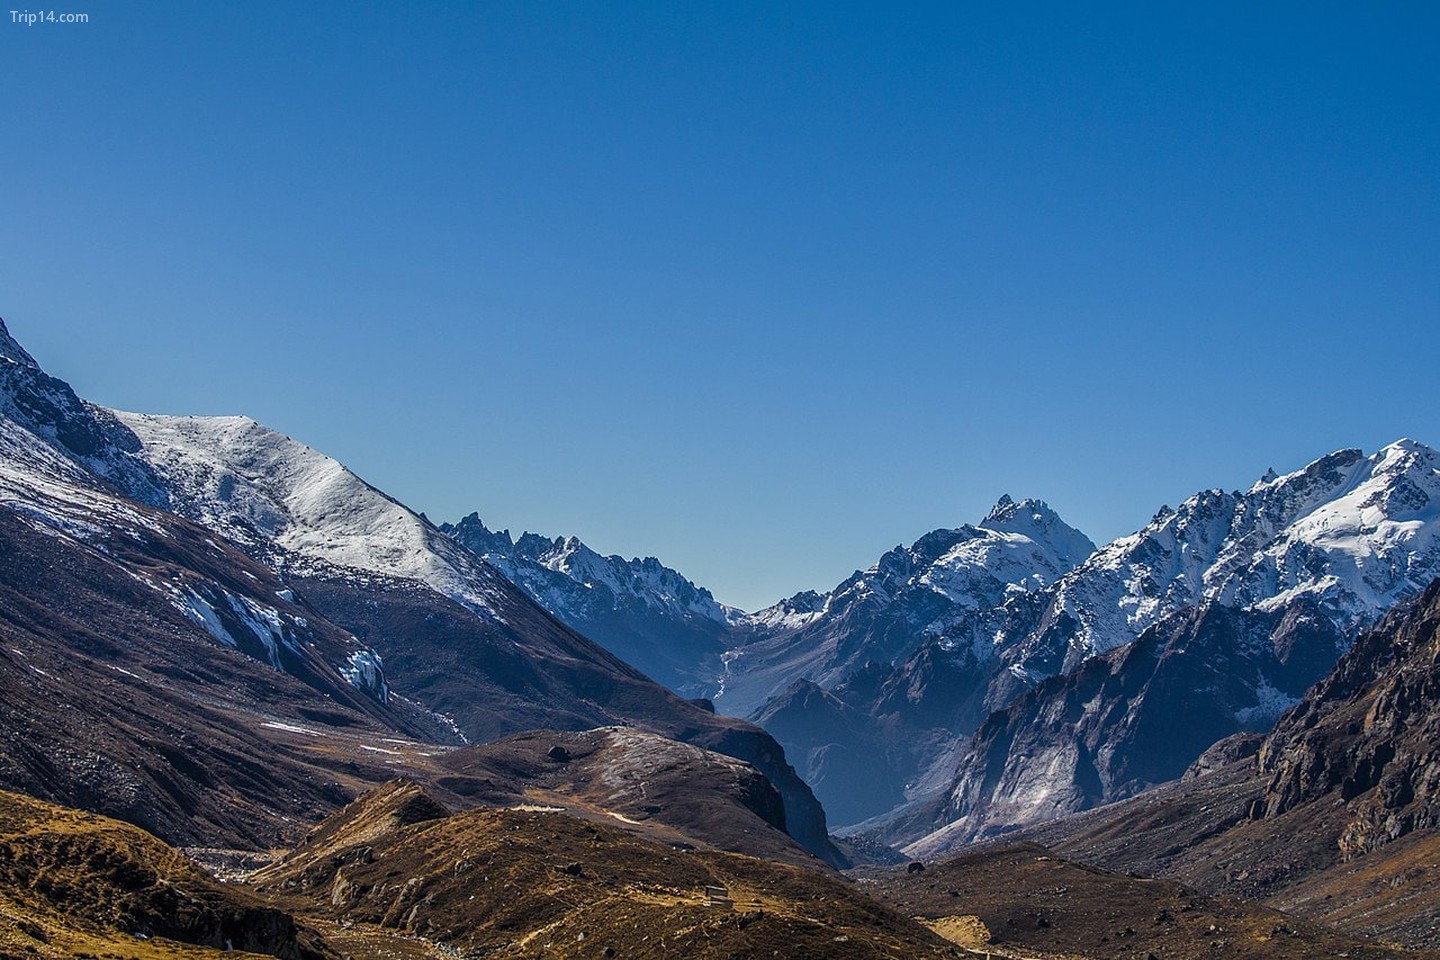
(1356, 534)
(641, 610)
(945, 587)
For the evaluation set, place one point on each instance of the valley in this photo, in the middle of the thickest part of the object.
(397, 739)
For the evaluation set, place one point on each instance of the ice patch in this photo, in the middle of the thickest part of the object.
(203, 614)
(365, 670)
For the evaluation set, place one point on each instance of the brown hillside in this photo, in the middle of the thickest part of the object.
(1032, 902)
(514, 883)
(74, 884)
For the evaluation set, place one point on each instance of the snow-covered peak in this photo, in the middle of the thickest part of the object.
(48, 409)
(1020, 544)
(1354, 533)
(1403, 456)
(792, 612)
(585, 580)
(10, 349)
(1035, 520)
(259, 487)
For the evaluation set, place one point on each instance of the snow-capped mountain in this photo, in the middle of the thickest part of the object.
(298, 507)
(1239, 602)
(868, 685)
(1134, 717)
(641, 610)
(49, 432)
(1356, 534)
(947, 587)
(197, 574)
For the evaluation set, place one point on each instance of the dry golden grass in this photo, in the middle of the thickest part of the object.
(74, 884)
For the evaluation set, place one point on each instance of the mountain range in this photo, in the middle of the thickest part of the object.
(218, 634)
(876, 687)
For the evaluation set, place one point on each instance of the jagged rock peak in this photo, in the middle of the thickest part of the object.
(472, 532)
(11, 350)
(806, 601)
(1005, 505)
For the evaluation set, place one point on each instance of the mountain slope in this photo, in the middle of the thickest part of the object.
(145, 664)
(513, 883)
(78, 885)
(655, 787)
(1134, 717)
(298, 508)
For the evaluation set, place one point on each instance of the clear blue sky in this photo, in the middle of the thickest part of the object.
(761, 289)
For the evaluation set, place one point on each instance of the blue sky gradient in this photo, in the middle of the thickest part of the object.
(760, 289)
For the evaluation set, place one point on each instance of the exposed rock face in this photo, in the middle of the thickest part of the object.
(1233, 749)
(1137, 716)
(1369, 734)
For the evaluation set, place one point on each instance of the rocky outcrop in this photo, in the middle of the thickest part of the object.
(1369, 734)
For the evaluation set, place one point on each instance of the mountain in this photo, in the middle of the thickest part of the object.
(1333, 817)
(867, 686)
(182, 595)
(946, 587)
(147, 664)
(1355, 534)
(1134, 717)
(641, 610)
(1222, 612)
